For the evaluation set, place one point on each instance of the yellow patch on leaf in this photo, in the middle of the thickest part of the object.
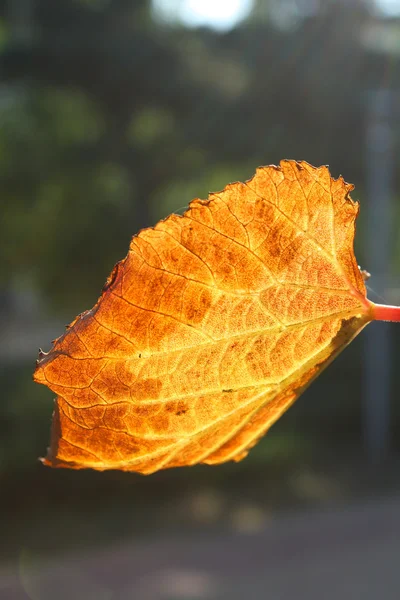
(211, 327)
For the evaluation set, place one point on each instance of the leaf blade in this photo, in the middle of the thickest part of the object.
(249, 291)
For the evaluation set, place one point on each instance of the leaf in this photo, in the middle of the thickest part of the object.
(211, 327)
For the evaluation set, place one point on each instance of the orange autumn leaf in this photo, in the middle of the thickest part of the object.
(211, 327)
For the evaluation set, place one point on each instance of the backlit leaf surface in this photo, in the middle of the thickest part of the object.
(211, 327)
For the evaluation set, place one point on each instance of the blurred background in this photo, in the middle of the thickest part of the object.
(113, 114)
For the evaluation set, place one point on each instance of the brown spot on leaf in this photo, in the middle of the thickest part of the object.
(145, 389)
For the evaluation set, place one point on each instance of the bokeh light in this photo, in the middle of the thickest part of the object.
(218, 14)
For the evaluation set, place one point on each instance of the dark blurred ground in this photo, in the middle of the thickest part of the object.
(112, 115)
(347, 554)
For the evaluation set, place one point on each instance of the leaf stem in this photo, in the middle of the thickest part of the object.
(382, 312)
